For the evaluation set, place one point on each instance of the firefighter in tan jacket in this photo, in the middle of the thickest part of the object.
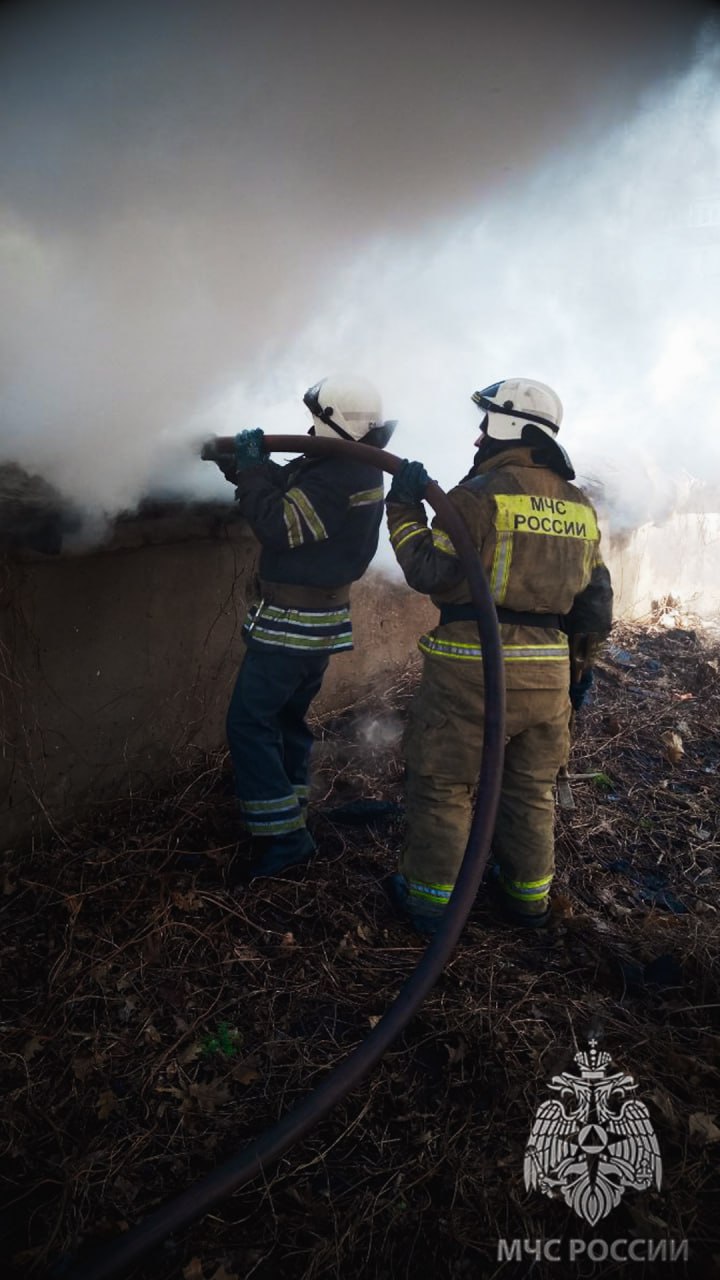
(538, 538)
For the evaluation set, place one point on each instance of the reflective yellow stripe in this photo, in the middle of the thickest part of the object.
(283, 827)
(443, 648)
(527, 890)
(588, 557)
(286, 639)
(535, 652)
(437, 893)
(305, 617)
(500, 571)
(292, 524)
(442, 542)
(420, 528)
(308, 513)
(366, 496)
(456, 657)
(459, 651)
(277, 805)
(528, 513)
(526, 897)
(409, 524)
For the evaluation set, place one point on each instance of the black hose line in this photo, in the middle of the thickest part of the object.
(116, 1257)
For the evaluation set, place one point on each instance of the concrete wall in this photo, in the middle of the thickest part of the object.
(679, 558)
(116, 665)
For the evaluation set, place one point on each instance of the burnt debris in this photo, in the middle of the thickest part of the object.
(34, 516)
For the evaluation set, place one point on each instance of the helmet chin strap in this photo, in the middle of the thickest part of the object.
(325, 417)
(511, 412)
(378, 435)
(310, 400)
(352, 412)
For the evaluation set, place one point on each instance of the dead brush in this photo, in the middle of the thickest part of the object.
(121, 966)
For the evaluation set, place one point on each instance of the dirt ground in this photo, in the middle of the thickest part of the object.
(156, 1021)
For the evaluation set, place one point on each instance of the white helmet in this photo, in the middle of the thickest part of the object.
(344, 406)
(515, 403)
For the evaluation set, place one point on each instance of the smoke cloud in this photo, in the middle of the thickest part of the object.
(206, 207)
(600, 274)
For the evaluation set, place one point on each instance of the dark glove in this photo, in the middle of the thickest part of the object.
(249, 449)
(408, 484)
(225, 461)
(579, 692)
(227, 466)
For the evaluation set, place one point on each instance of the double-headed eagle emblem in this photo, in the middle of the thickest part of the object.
(592, 1142)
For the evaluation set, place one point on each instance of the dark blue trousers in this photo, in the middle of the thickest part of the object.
(269, 740)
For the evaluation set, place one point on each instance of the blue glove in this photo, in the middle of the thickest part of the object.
(408, 484)
(249, 449)
(579, 692)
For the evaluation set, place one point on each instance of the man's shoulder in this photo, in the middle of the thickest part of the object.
(348, 472)
(336, 481)
(577, 493)
(516, 479)
(485, 483)
(332, 464)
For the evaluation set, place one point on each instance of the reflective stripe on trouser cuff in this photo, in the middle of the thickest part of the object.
(302, 794)
(436, 895)
(526, 890)
(272, 817)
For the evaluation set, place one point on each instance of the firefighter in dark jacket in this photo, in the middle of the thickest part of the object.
(538, 538)
(317, 520)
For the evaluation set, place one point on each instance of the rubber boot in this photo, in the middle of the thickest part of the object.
(505, 908)
(425, 922)
(280, 852)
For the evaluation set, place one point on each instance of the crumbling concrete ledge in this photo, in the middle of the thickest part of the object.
(117, 663)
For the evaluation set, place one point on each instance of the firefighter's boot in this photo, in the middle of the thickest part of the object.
(424, 919)
(277, 853)
(525, 915)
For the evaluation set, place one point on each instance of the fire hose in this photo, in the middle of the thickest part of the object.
(115, 1257)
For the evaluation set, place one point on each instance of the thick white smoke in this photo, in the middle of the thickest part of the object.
(198, 197)
(600, 274)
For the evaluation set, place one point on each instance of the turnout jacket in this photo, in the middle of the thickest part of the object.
(539, 542)
(317, 521)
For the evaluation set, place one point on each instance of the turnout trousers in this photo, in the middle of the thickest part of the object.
(443, 745)
(269, 741)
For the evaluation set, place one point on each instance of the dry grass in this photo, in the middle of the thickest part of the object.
(154, 1022)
